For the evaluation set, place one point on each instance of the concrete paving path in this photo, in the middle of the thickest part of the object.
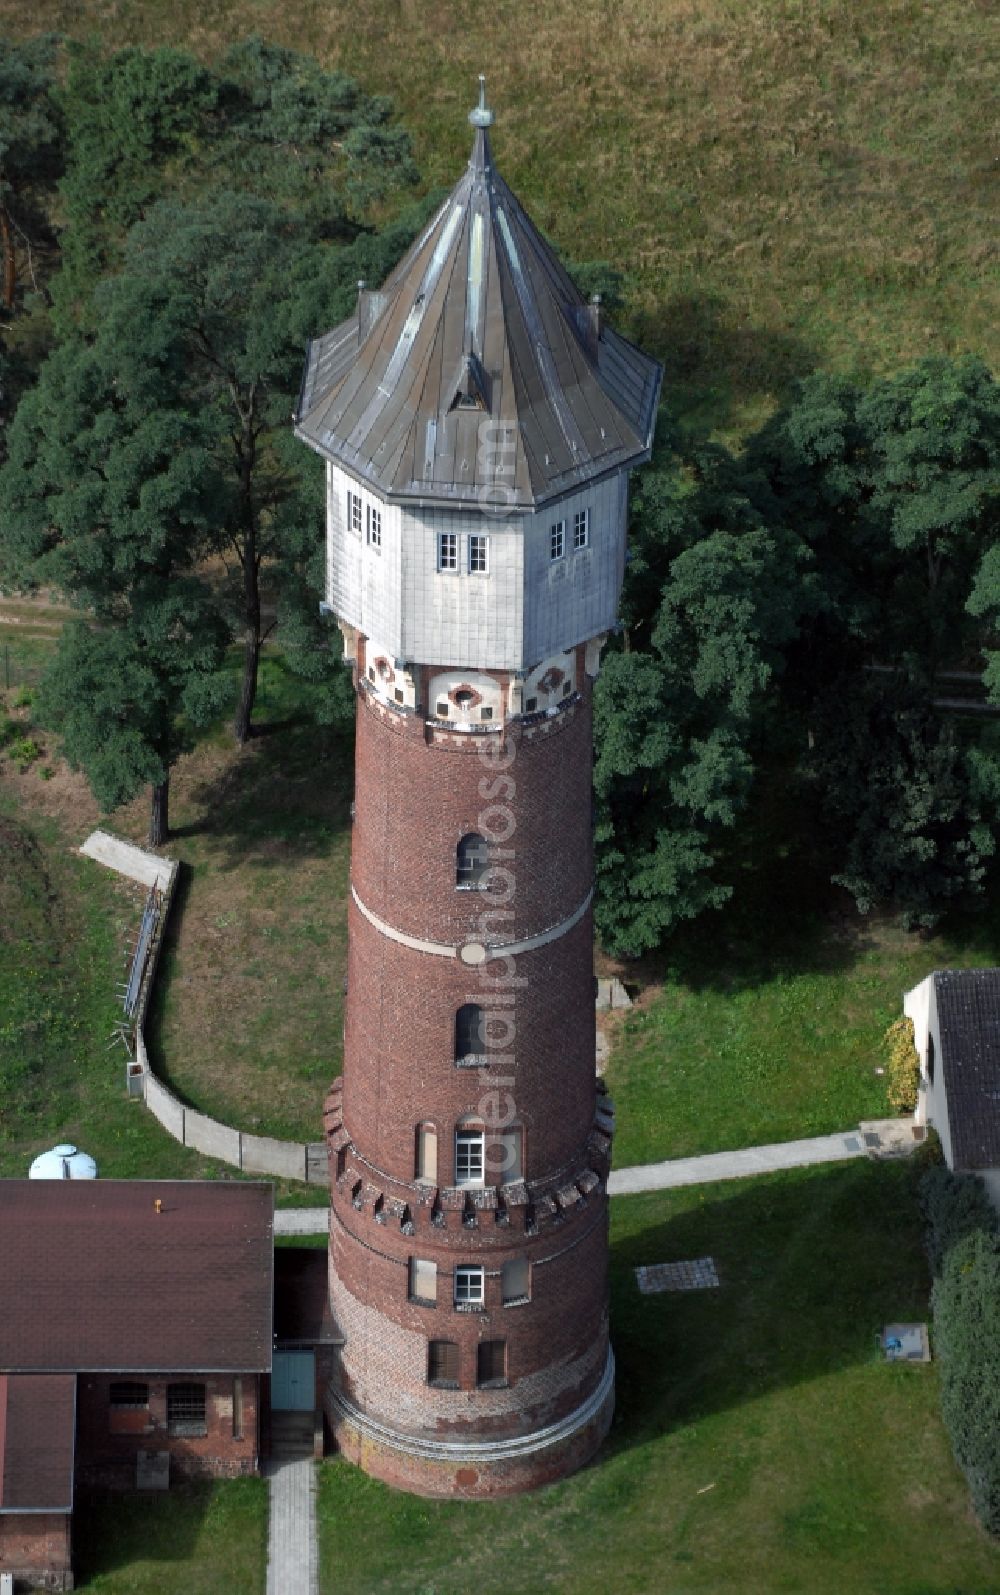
(292, 1561)
(735, 1165)
(662, 1176)
(127, 859)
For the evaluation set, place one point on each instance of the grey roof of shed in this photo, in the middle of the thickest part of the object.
(479, 321)
(968, 1009)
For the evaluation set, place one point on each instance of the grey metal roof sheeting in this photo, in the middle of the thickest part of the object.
(968, 1007)
(478, 324)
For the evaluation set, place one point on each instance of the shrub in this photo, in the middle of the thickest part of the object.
(963, 1245)
(25, 751)
(966, 1302)
(23, 698)
(903, 1066)
(954, 1206)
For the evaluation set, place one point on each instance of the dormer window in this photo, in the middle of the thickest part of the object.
(471, 386)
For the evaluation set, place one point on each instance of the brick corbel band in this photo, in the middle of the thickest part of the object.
(482, 1452)
(488, 949)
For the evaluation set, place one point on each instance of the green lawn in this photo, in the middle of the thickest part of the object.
(759, 1445)
(784, 185)
(199, 1539)
(764, 1021)
(63, 924)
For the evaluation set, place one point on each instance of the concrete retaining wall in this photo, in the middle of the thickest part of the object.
(254, 1154)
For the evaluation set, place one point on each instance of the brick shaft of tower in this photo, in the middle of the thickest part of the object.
(478, 421)
(536, 1223)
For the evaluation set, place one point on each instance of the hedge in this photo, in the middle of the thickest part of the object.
(963, 1244)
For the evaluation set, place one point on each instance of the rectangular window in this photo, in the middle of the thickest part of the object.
(237, 1409)
(557, 540)
(186, 1409)
(427, 1153)
(470, 1285)
(479, 555)
(447, 550)
(514, 1282)
(442, 1364)
(127, 1395)
(374, 527)
(423, 1280)
(491, 1363)
(581, 528)
(508, 1155)
(354, 512)
(469, 1157)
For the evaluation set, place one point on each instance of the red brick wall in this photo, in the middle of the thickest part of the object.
(108, 1439)
(416, 800)
(417, 794)
(36, 1548)
(400, 1048)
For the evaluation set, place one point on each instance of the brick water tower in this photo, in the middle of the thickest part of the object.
(479, 422)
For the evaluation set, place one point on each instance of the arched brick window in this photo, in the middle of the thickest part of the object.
(470, 1042)
(472, 861)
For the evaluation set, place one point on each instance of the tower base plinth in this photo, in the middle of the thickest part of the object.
(473, 1469)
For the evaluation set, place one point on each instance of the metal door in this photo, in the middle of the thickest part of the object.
(293, 1381)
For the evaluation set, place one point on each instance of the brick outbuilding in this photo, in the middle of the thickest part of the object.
(135, 1345)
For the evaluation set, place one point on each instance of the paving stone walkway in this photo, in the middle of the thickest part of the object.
(291, 1533)
(735, 1165)
(662, 1176)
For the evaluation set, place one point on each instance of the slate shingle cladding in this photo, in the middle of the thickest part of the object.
(968, 1009)
(480, 310)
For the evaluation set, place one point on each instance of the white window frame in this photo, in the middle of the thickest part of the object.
(374, 527)
(470, 1285)
(557, 540)
(354, 513)
(581, 529)
(470, 1153)
(479, 546)
(447, 552)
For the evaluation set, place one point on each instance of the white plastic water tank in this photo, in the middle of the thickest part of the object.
(64, 1162)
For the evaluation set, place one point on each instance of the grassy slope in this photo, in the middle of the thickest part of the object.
(62, 926)
(785, 185)
(759, 1445)
(200, 1539)
(765, 1022)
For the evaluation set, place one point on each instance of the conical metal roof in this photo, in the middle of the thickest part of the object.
(478, 372)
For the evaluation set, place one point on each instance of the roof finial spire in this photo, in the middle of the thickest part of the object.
(482, 116)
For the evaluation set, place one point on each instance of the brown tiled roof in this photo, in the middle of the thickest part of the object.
(93, 1277)
(37, 1437)
(480, 323)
